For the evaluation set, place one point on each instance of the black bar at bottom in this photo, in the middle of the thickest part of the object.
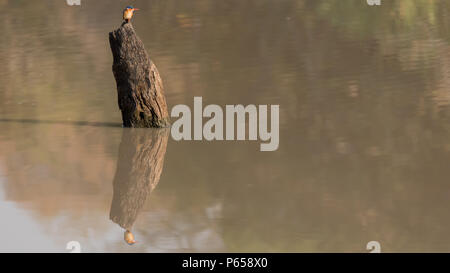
(225, 262)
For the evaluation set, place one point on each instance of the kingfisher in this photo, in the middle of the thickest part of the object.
(129, 237)
(128, 13)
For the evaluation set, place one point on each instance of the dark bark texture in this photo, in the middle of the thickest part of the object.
(139, 168)
(139, 86)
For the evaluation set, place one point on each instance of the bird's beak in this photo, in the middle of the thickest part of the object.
(136, 9)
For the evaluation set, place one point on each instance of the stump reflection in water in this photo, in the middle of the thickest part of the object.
(139, 168)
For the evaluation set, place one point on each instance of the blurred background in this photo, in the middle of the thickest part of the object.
(364, 95)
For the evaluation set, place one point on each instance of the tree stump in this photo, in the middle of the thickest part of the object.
(139, 86)
(139, 168)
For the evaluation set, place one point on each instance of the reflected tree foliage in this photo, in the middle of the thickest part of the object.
(365, 133)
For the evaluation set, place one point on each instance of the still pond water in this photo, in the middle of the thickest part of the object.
(364, 154)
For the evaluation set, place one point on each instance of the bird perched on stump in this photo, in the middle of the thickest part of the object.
(128, 13)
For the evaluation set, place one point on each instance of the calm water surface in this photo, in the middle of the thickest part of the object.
(364, 95)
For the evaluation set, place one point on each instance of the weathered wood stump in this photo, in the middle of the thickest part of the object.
(139, 86)
(139, 168)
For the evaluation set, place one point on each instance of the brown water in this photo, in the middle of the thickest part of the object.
(364, 95)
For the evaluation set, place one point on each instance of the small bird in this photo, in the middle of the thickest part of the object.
(128, 12)
(129, 237)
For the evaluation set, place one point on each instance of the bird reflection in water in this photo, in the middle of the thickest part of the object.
(139, 168)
